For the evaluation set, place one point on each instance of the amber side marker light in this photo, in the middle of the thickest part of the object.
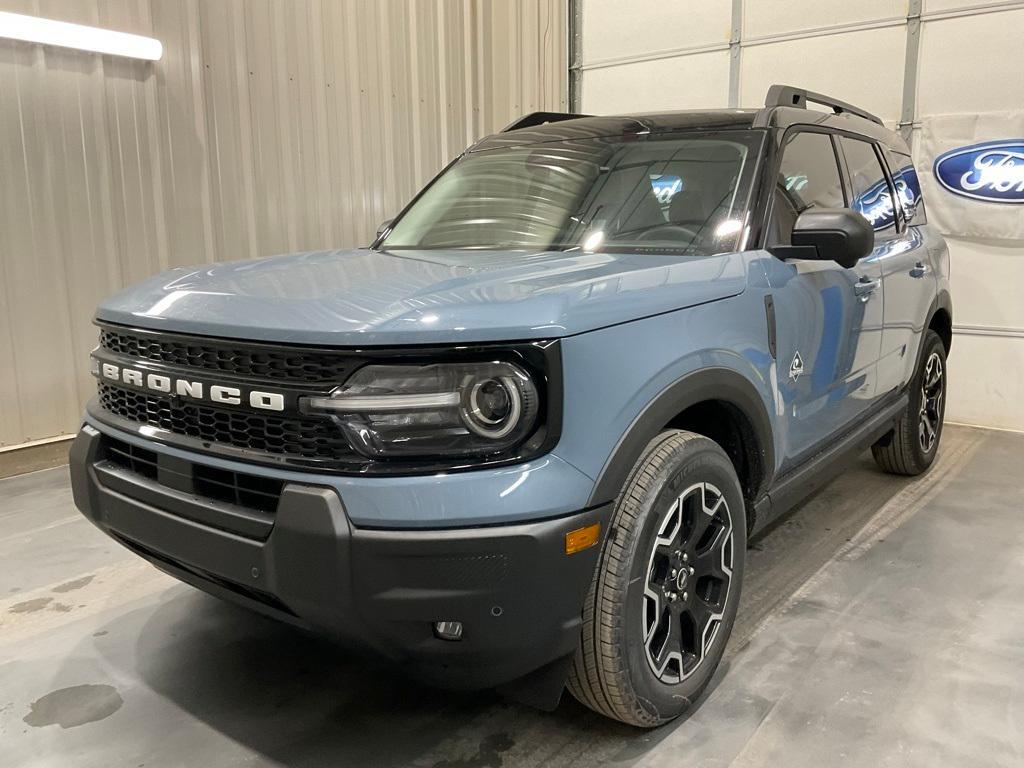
(582, 538)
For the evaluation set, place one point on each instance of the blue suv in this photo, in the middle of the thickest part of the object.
(522, 440)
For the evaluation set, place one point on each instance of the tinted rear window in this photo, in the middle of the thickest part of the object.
(908, 188)
(872, 196)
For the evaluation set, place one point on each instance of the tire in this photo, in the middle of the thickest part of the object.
(683, 484)
(912, 445)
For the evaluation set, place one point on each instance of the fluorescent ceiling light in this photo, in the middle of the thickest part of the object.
(33, 29)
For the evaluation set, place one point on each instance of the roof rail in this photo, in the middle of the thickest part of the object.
(788, 96)
(539, 118)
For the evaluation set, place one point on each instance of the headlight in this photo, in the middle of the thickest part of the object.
(444, 409)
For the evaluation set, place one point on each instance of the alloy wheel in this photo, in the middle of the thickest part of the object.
(932, 392)
(689, 575)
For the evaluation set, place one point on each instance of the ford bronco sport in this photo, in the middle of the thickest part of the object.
(522, 440)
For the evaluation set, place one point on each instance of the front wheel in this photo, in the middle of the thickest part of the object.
(663, 600)
(912, 445)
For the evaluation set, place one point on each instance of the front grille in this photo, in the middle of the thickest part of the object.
(244, 490)
(248, 400)
(290, 436)
(313, 439)
(245, 359)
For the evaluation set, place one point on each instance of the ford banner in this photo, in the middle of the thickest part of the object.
(975, 188)
(992, 171)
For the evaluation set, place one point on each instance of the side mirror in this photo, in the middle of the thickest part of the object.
(384, 227)
(830, 234)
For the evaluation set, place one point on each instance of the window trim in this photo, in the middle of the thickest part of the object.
(771, 170)
(920, 208)
(776, 166)
(901, 214)
(900, 227)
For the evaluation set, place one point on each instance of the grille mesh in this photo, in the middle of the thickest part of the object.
(252, 361)
(316, 439)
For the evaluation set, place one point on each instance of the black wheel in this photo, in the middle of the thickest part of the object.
(664, 598)
(911, 447)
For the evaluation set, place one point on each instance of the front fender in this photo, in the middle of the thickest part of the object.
(722, 384)
(624, 383)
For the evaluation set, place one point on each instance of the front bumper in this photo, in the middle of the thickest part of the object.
(517, 593)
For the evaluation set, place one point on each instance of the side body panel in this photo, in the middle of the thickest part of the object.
(900, 254)
(612, 376)
(828, 341)
(829, 319)
(909, 280)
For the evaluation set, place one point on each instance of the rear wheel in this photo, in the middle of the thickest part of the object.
(912, 445)
(664, 598)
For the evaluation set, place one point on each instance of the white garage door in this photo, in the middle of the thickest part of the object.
(959, 58)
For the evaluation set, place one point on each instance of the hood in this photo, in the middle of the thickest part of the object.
(369, 298)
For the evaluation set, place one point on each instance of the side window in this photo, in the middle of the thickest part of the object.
(872, 195)
(808, 178)
(908, 188)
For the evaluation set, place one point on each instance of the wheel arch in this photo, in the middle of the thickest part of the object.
(940, 318)
(693, 401)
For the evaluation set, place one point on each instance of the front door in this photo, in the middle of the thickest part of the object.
(828, 318)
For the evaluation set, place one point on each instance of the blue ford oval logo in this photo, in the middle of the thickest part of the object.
(875, 205)
(992, 171)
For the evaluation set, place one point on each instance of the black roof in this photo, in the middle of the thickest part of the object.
(784, 106)
(587, 127)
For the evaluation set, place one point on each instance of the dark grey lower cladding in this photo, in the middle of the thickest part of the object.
(517, 593)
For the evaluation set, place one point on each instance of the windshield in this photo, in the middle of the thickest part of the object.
(681, 193)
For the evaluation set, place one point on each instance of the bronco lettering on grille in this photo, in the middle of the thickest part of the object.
(194, 390)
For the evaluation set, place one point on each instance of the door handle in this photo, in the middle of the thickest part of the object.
(864, 287)
(919, 270)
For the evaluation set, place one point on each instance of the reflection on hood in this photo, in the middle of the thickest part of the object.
(402, 297)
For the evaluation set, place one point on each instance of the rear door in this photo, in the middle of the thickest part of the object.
(828, 318)
(910, 283)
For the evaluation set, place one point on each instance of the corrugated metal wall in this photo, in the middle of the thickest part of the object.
(268, 126)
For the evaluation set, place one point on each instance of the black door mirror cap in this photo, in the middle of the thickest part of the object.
(830, 234)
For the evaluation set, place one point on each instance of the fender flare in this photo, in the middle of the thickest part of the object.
(942, 301)
(723, 384)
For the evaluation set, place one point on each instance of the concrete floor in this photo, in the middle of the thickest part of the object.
(882, 625)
